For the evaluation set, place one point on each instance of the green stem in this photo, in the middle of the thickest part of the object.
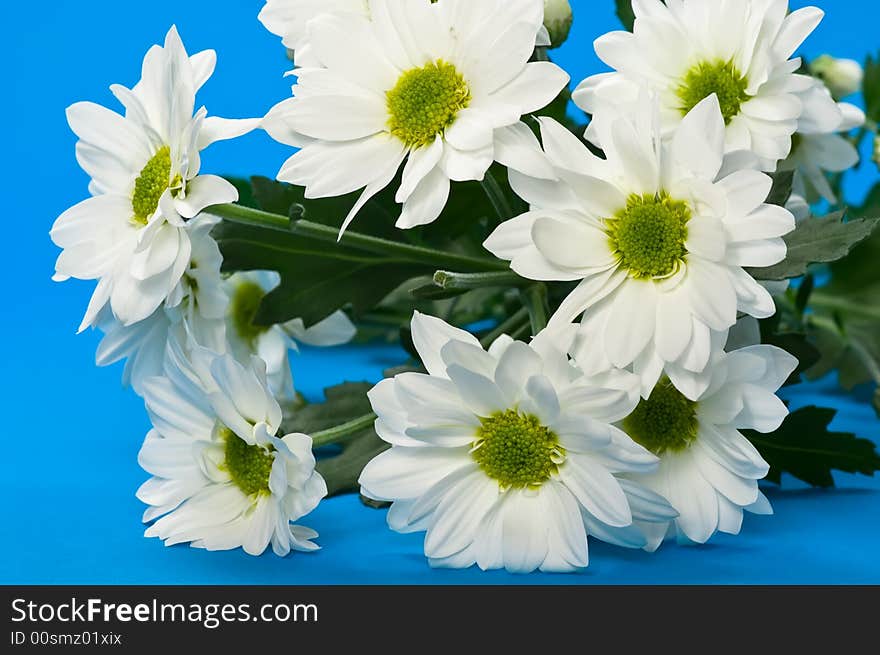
(249, 216)
(535, 300)
(826, 301)
(496, 197)
(340, 432)
(450, 280)
(407, 252)
(511, 326)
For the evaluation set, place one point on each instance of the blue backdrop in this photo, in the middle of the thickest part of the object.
(71, 433)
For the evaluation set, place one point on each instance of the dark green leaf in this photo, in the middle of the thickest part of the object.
(817, 241)
(245, 192)
(798, 345)
(625, 13)
(344, 402)
(871, 86)
(342, 472)
(314, 289)
(780, 193)
(805, 448)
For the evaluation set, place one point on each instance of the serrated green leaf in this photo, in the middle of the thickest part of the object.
(625, 13)
(817, 241)
(343, 403)
(780, 193)
(805, 448)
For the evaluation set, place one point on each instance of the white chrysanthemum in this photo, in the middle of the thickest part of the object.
(708, 470)
(686, 50)
(820, 146)
(289, 19)
(507, 459)
(146, 184)
(222, 479)
(658, 234)
(272, 344)
(440, 85)
(195, 312)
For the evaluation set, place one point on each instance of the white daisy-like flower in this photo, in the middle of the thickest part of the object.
(820, 145)
(507, 458)
(708, 470)
(658, 234)
(686, 50)
(272, 344)
(440, 85)
(289, 19)
(222, 479)
(195, 312)
(145, 181)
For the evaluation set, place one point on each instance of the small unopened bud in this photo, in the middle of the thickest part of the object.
(843, 77)
(558, 18)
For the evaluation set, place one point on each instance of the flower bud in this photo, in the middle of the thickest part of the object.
(843, 77)
(558, 18)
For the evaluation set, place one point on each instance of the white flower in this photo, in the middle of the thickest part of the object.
(222, 479)
(272, 344)
(144, 167)
(195, 312)
(289, 19)
(440, 85)
(843, 77)
(737, 49)
(507, 458)
(820, 146)
(658, 235)
(708, 470)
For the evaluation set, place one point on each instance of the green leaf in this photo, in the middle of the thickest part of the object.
(245, 191)
(805, 448)
(871, 87)
(316, 278)
(798, 345)
(780, 193)
(344, 402)
(817, 241)
(625, 13)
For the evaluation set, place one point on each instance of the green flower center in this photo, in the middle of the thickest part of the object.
(718, 77)
(665, 422)
(151, 184)
(248, 466)
(648, 236)
(243, 309)
(425, 102)
(516, 450)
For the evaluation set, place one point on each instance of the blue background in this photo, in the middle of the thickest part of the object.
(71, 433)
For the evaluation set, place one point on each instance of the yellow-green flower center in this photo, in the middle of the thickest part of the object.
(516, 450)
(648, 236)
(248, 465)
(425, 102)
(665, 422)
(149, 186)
(718, 77)
(243, 307)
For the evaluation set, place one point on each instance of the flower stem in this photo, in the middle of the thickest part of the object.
(450, 280)
(827, 301)
(340, 432)
(404, 251)
(496, 196)
(535, 300)
(363, 242)
(249, 216)
(512, 326)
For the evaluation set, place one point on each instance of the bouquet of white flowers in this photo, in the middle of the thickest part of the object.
(602, 290)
